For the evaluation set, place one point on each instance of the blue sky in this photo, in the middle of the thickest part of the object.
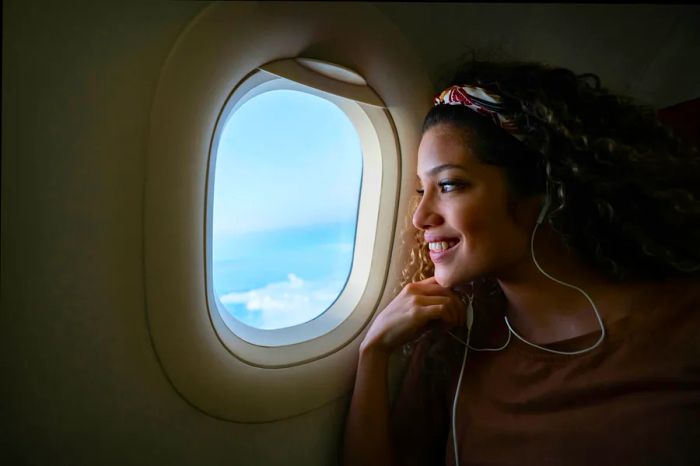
(285, 159)
(286, 188)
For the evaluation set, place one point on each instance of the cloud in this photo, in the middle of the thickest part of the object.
(283, 304)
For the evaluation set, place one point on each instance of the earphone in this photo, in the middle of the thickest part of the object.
(544, 210)
(470, 318)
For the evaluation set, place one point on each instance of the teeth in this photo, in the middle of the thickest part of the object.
(438, 246)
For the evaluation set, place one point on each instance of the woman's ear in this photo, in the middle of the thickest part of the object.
(531, 210)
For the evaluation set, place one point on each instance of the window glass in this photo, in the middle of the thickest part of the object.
(286, 189)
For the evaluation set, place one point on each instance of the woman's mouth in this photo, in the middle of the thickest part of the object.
(440, 250)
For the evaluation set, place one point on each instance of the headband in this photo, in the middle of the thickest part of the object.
(481, 101)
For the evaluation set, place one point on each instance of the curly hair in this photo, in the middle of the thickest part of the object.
(626, 189)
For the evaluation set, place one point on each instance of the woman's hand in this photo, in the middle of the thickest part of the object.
(416, 308)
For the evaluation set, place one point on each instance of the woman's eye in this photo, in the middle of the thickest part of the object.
(445, 186)
(449, 185)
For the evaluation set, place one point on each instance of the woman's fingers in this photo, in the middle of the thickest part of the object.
(427, 300)
(457, 310)
(428, 280)
(428, 287)
(445, 312)
(419, 306)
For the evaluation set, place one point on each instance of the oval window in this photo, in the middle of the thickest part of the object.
(287, 181)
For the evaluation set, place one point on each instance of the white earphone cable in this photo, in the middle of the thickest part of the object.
(590, 300)
(470, 319)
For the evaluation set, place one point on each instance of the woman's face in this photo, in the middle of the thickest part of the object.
(464, 213)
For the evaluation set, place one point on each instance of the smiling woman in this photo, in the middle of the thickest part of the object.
(558, 320)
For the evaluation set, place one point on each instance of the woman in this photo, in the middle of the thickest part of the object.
(562, 224)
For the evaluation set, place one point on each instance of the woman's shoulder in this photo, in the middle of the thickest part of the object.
(674, 300)
(432, 355)
(669, 321)
(680, 303)
(420, 412)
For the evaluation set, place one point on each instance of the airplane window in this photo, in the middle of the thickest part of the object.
(287, 178)
(273, 191)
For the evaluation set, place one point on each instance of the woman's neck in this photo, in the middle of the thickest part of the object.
(544, 311)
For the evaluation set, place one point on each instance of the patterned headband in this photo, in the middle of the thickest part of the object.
(483, 102)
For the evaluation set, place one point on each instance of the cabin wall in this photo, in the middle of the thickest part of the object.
(81, 382)
(636, 50)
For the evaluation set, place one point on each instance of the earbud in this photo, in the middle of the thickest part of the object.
(547, 197)
(470, 314)
(545, 209)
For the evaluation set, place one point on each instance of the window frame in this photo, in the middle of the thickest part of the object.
(374, 232)
(214, 53)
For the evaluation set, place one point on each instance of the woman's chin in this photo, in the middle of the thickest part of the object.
(450, 280)
(445, 280)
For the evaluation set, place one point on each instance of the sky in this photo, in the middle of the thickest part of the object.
(286, 188)
(286, 158)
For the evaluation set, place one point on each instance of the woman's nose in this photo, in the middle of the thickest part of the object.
(426, 215)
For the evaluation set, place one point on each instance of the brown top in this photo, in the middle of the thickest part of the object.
(633, 400)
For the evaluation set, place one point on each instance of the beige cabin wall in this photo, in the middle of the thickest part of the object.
(81, 382)
(637, 50)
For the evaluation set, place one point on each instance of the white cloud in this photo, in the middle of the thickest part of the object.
(287, 303)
